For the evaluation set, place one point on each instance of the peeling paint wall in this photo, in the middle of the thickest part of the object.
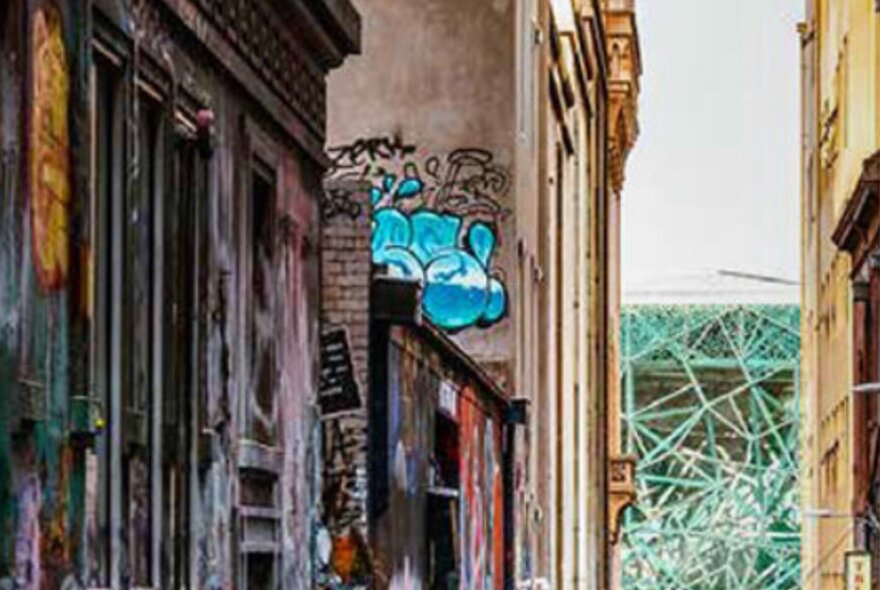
(40, 488)
(159, 277)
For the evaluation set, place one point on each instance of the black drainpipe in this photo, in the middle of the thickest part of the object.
(515, 414)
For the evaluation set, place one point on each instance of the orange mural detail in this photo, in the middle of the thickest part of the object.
(344, 557)
(50, 151)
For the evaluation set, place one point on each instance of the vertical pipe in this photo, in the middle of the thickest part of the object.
(629, 384)
(508, 466)
(860, 360)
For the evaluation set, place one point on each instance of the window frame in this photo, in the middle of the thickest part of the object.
(257, 461)
(107, 196)
(262, 158)
(111, 286)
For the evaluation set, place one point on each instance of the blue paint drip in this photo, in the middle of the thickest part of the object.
(481, 239)
(409, 188)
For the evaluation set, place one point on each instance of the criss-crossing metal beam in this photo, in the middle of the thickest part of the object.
(711, 410)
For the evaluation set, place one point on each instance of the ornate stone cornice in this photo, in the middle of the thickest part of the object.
(290, 45)
(253, 29)
(343, 23)
(624, 73)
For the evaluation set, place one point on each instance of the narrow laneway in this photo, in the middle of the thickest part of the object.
(439, 294)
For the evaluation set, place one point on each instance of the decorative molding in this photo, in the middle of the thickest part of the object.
(624, 71)
(261, 38)
(858, 230)
(621, 491)
(340, 16)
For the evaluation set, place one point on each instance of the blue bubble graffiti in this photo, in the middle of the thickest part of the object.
(459, 289)
(441, 230)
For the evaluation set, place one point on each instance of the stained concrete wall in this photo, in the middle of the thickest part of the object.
(438, 75)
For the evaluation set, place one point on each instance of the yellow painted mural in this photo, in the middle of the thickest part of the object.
(50, 151)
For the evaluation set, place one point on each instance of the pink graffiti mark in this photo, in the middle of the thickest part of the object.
(477, 520)
(27, 534)
(474, 541)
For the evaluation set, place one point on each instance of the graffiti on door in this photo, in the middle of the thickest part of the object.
(482, 541)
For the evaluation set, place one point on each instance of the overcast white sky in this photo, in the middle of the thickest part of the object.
(713, 182)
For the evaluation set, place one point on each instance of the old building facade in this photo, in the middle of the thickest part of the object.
(840, 287)
(233, 358)
(160, 196)
(492, 138)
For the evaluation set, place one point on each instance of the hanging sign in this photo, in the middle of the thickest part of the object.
(448, 399)
(337, 387)
(858, 570)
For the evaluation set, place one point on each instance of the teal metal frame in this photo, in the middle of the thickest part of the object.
(712, 412)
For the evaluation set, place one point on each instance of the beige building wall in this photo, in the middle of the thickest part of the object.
(578, 254)
(839, 99)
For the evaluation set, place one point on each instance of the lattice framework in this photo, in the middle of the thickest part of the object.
(711, 411)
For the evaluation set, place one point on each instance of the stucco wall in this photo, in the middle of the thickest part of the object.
(438, 76)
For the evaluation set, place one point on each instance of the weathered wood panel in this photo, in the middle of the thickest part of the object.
(128, 242)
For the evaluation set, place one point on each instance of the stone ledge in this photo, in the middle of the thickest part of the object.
(621, 491)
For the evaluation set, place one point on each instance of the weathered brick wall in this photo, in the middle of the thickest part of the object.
(346, 274)
(346, 263)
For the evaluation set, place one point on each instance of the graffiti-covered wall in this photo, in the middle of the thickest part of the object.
(438, 220)
(436, 141)
(160, 174)
(343, 558)
(482, 507)
(437, 505)
(41, 476)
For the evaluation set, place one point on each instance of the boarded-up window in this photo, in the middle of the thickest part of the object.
(182, 260)
(260, 405)
(259, 460)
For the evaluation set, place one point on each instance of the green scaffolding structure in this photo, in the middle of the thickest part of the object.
(711, 411)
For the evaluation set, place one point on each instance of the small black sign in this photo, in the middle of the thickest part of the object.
(338, 390)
